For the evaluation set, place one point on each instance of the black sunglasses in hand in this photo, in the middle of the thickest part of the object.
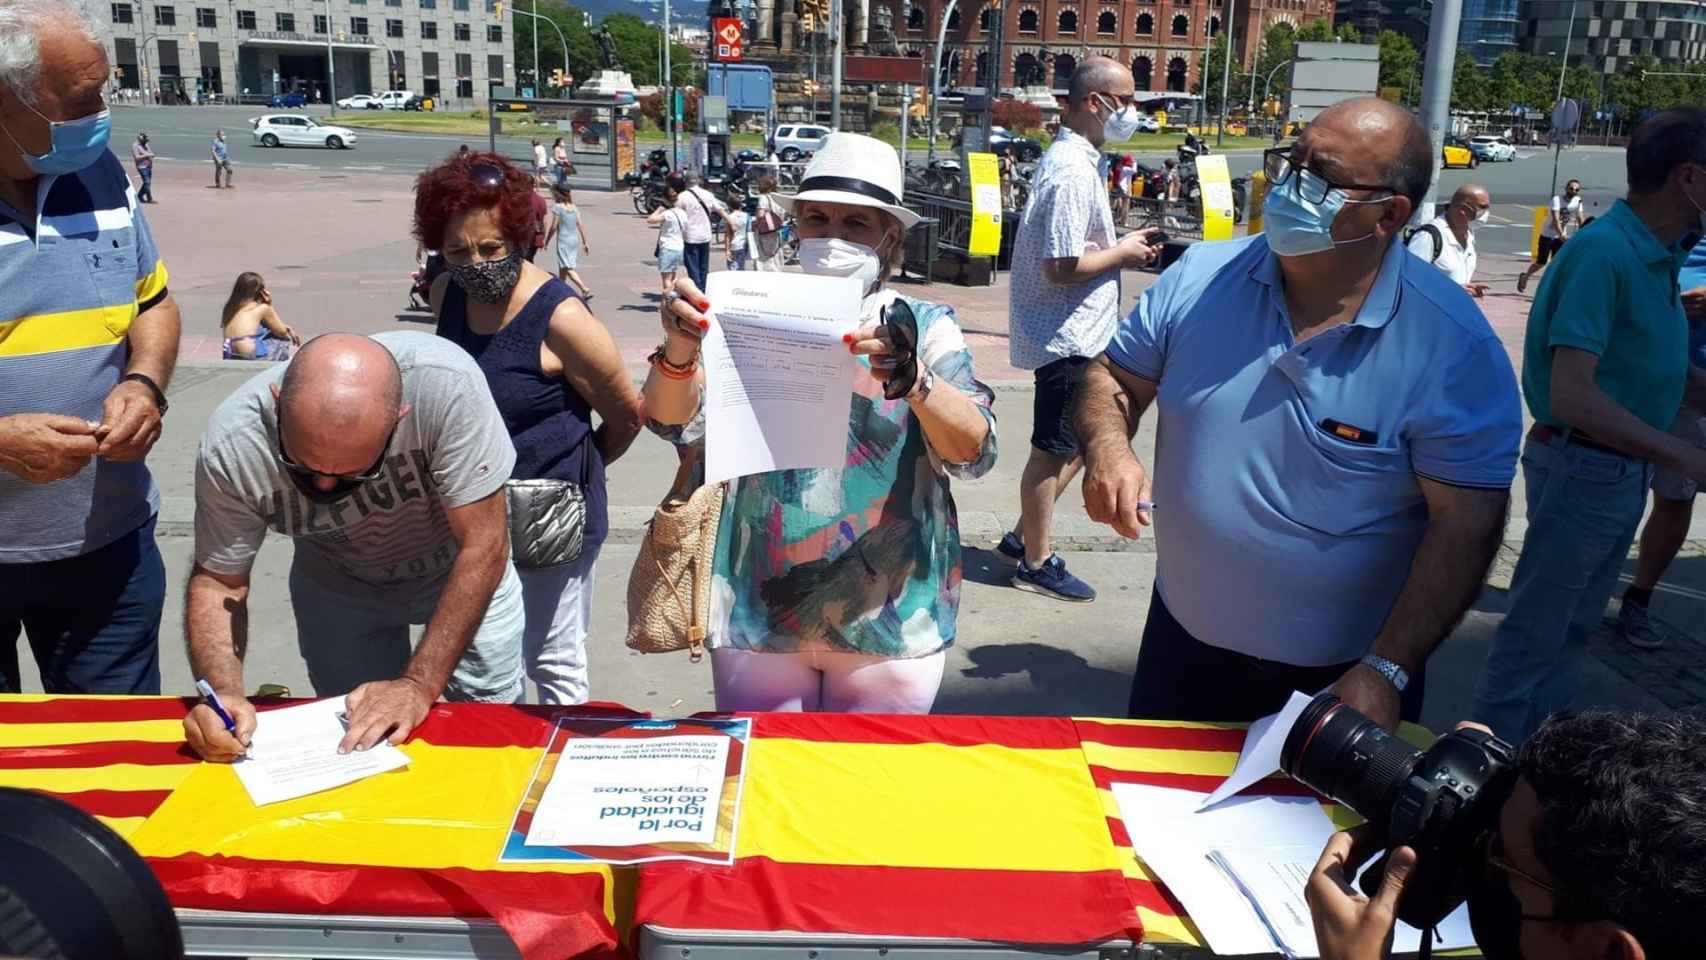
(903, 333)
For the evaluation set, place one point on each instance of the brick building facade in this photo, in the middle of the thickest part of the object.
(1163, 41)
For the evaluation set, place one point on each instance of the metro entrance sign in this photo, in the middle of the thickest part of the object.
(726, 36)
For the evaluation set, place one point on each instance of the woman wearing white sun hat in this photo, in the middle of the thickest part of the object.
(838, 589)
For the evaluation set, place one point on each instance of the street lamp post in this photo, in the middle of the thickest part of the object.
(560, 39)
(1267, 85)
(936, 76)
(1226, 70)
(331, 64)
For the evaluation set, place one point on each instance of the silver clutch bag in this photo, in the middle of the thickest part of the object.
(547, 522)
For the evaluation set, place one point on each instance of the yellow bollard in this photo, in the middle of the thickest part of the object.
(1540, 216)
(1255, 192)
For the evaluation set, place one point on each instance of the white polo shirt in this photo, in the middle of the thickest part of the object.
(1457, 260)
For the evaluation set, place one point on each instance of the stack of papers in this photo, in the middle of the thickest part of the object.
(294, 753)
(1239, 868)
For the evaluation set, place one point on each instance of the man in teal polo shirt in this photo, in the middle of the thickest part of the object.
(1605, 368)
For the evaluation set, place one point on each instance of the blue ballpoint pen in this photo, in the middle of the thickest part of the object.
(212, 700)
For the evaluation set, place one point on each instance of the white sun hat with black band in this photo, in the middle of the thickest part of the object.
(854, 169)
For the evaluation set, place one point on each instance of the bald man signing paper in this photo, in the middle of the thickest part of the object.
(384, 458)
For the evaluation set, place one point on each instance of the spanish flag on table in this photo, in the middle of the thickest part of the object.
(975, 828)
(422, 841)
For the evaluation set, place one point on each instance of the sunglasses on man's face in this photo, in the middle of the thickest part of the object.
(372, 473)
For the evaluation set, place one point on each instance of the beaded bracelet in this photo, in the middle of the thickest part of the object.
(670, 370)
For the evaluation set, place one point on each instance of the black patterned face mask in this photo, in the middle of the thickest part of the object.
(490, 281)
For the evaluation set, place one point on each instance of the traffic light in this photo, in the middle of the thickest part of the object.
(499, 8)
(557, 79)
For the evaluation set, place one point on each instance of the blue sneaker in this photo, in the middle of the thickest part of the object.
(1052, 580)
(1011, 547)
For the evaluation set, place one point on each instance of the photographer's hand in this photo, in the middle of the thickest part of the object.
(1370, 694)
(1348, 925)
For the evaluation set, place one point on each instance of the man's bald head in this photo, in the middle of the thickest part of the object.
(1393, 145)
(1099, 75)
(1471, 195)
(340, 399)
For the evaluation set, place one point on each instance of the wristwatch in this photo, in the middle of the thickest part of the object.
(1394, 674)
(925, 383)
(148, 381)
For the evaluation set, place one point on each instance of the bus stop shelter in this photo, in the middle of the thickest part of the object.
(598, 132)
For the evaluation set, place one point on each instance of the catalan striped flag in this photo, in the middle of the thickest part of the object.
(978, 828)
(422, 841)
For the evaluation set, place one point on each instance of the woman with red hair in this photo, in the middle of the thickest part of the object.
(550, 364)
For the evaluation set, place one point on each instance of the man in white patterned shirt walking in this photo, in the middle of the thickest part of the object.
(1065, 303)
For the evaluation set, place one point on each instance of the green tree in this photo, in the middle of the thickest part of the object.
(1279, 48)
(1347, 34)
(1316, 31)
(583, 50)
(1400, 64)
(637, 44)
(1471, 88)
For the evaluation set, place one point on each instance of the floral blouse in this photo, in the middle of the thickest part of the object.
(864, 558)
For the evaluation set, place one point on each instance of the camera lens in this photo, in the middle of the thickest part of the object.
(1346, 756)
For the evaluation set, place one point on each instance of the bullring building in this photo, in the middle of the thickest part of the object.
(249, 50)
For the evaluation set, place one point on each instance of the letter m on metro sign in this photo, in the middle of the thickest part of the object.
(726, 39)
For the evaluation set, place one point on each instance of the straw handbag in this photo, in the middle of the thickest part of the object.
(669, 589)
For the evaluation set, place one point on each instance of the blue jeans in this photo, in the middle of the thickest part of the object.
(93, 621)
(697, 259)
(1584, 506)
(146, 194)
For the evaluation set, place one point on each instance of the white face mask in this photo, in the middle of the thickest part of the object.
(1120, 124)
(1480, 220)
(834, 257)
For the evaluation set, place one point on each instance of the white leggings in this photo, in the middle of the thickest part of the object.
(833, 682)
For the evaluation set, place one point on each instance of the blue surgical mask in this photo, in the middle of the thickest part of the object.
(75, 144)
(1296, 227)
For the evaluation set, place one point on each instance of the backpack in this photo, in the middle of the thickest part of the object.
(767, 228)
(1430, 230)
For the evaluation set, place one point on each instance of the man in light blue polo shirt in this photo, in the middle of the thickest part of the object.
(1605, 368)
(1338, 435)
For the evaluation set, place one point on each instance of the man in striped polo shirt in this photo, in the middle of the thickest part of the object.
(88, 338)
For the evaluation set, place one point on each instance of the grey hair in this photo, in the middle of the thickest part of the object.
(21, 25)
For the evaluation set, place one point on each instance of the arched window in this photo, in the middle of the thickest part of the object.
(1145, 25)
(914, 17)
(1064, 64)
(1026, 70)
(1176, 74)
(1108, 23)
(1181, 26)
(981, 77)
(983, 18)
(1068, 21)
(1214, 26)
(954, 19)
(1141, 72)
(1027, 21)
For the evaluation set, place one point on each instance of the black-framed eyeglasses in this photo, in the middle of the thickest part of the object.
(486, 175)
(1492, 854)
(1311, 186)
(372, 473)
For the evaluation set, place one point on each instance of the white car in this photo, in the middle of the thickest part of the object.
(791, 141)
(1146, 123)
(393, 99)
(1492, 148)
(361, 101)
(299, 130)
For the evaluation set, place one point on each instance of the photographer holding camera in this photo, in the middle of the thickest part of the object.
(1597, 852)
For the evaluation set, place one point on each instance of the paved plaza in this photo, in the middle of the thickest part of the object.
(333, 244)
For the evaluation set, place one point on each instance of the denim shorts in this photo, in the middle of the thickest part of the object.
(1056, 395)
(669, 260)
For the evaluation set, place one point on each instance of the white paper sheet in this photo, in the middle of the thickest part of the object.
(1173, 835)
(616, 792)
(778, 377)
(1273, 879)
(294, 753)
(1260, 757)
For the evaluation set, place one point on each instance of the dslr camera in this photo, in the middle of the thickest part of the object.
(1441, 802)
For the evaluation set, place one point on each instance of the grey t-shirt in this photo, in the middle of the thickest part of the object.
(391, 534)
